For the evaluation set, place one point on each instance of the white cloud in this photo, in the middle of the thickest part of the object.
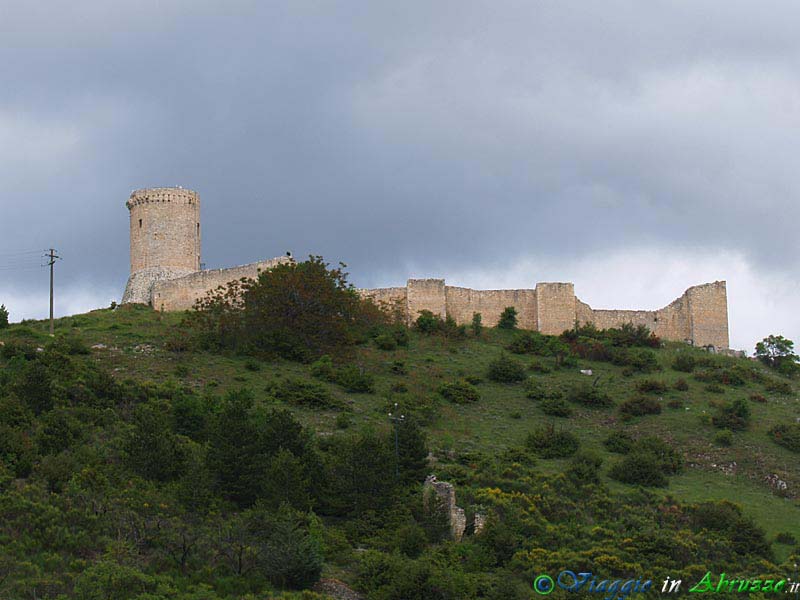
(68, 301)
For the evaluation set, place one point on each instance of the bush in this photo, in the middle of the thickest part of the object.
(386, 342)
(473, 379)
(506, 370)
(758, 398)
(252, 365)
(584, 468)
(787, 435)
(459, 392)
(681, 385)
(555, 407)
(546, 442)
(640, 406)
(508, 318)
(724, 438)
(619, 442)
(536, 391)
(398, 367)
(355, 379)
(675, 403)
(306, 393)
(784, 537)
(298, 310)
(477, 324)
(591, 396)
(652, 386)
(323, 368)
(684, 362)
(715, 388)
(639, 468)
(778, 386)
(734, 416)
(638, 359)
(538, 366)
(431, 324)
(3, 316)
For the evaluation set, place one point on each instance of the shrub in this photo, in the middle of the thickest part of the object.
(508, 318)
(758, 398)
(555, 407)
(784, 537)
(640, 406)
(3, 316)
(323, 368)
(619, 442)
(651, 386)
(431, 324)
(591, 396)
(715, 388)
(386, 342)
(584, 468)
(506, 370)
(536, 391)
(477, 325)
(681, 385)
(675, 403)
(669, 460)
(639, 468)
(684, 362)
(778, 386)
(355, 379)
(734, 416)
(459, 392)
(305, 393)
(546, 442)
(343, 421)
(298, 310)
(639, 359)
(787, 435)
(398, 367)
(538, 366)
(724, 438)
(252, 365)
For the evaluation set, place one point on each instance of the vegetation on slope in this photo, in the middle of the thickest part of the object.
(139, 459)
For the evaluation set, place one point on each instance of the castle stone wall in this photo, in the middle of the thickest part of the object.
(462, 303)
(426, 294)
(181, 294)
(699, 316)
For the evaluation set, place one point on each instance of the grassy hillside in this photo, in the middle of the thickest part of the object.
(132, 344)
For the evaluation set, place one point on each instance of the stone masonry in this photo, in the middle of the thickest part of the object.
(699, 316)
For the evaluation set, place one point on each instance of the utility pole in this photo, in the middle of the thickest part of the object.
(53, 257)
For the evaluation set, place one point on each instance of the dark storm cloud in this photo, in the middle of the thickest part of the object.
(435, 136)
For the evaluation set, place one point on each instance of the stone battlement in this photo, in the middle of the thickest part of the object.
(168, 195)
(699, 316)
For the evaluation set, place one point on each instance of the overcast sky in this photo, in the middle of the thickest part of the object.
(635, 148)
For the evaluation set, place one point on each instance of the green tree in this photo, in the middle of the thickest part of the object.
(412, 453)
(777, 352)
(477, 324)
(508, 318)
(298, 310)
(153, 450)
(3, 316)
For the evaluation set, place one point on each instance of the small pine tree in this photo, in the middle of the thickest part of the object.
(508, 318)
(477, 325)
(3, 316)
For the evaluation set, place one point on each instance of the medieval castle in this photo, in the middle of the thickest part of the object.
(166, 274)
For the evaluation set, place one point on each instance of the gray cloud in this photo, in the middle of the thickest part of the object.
(438, 138)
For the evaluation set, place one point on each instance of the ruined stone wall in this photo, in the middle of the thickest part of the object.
(708, 310)
(181, 294)
(699, 316)
(426, 294)
(164, 229)
(555, 307)
(462, 303)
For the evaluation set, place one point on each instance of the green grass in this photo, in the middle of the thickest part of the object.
(133, 346)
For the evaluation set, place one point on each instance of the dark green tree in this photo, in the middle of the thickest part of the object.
(477, 325)
(153, 450)
(3, 316)
(777, 352)
(412, 453)
(508, 318)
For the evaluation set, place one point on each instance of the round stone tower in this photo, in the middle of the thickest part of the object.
(165, 239)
